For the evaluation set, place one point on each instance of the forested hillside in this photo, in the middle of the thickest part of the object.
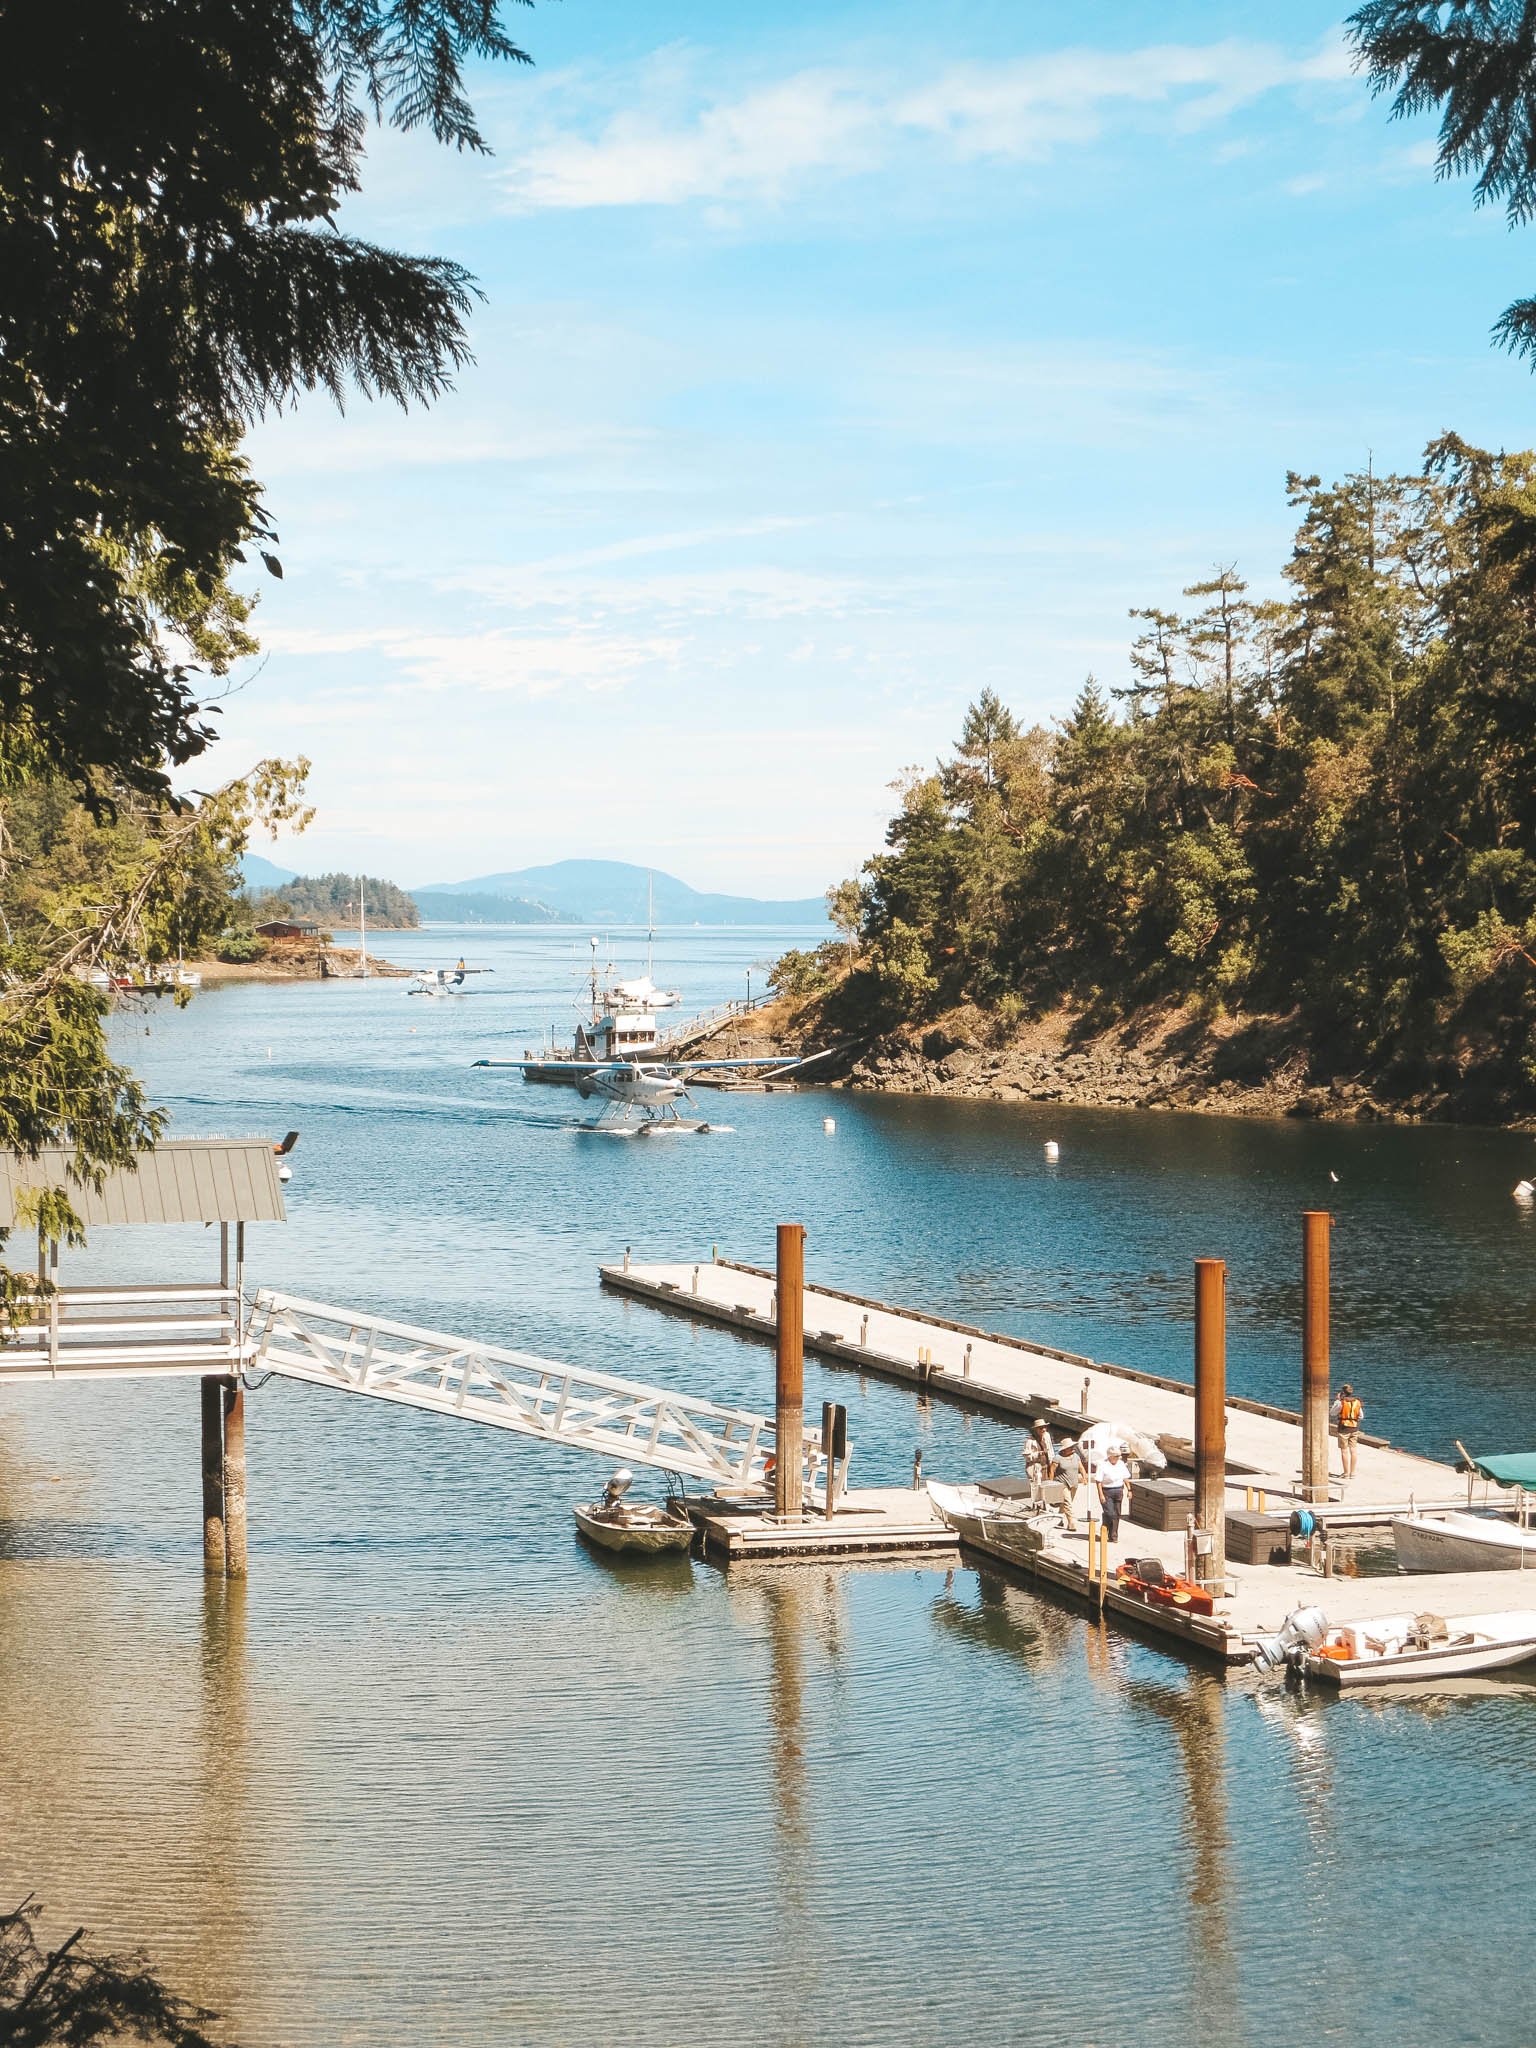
(1320, 809)
(333, 900)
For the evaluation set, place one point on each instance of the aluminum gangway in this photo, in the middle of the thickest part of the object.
(507, 1389)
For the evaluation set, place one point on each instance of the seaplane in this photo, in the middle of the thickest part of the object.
(443, 981)
(640, 1097)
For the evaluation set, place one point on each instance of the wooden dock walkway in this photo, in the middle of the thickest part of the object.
(1012, 1378)
(1017, 1380)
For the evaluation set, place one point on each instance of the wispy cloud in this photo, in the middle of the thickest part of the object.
(497, 660)
(834, 123)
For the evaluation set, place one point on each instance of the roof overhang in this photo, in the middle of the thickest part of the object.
(183, 1180)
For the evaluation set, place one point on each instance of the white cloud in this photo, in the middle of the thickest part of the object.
(499, 660)
(835, 123)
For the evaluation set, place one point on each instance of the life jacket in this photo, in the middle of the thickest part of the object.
(1350, 1412)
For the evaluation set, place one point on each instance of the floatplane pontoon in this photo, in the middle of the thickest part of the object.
(443, 981)
(645, 1094)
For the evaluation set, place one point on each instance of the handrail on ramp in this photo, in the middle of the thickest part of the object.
(506, 1389)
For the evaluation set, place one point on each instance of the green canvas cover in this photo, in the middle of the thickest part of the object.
(1518, 1468)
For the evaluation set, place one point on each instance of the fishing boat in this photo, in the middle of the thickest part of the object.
(1415, 1649)
(1460, 1540)
(638, 1528)
(1004, 1516)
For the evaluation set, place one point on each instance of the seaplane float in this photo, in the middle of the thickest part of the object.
(640, 1098)
(442, 981)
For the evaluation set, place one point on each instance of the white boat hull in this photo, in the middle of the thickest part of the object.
(991, 1524)
(1461, 1543)
(1474, 1644)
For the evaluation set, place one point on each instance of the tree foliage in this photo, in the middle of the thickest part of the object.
(1473, 61)
(170, 267)
(75, 1997)
(1325, 804)
(333, 899)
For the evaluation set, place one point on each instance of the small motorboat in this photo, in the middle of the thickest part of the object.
(639, 1528)
(1458, 1540)
(1411, 1649)
(1004, 1516)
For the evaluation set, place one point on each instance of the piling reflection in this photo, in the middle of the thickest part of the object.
(1194, 1708)
(1036, 1633)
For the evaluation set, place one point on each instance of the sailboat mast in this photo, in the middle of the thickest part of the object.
(362, 921)
(650, 923)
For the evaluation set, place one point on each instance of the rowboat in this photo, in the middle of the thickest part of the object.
(636, 1527)
(1454, 1540)
(1416, 1649)
(1002, 1516)
(642, 1530)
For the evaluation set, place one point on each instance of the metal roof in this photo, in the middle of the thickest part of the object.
(184, 1180)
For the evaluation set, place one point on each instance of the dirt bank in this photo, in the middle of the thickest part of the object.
(299, 963)
(1170, 1059)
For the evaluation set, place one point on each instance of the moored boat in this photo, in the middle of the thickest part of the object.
(1455, 1540)
(1416, 1649)
(1002, 1516)
(638, 1528)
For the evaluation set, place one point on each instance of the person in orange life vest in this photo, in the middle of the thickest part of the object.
(1347, 1414)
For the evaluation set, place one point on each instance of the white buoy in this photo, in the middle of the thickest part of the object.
(1052, 1149)
(829, 1124)
(1525, 1191)
(269, 1052)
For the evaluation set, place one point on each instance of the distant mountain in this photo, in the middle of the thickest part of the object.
(615, 892)
(447, 906)
(263, 874)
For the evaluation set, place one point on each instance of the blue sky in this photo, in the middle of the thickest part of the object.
(838, 361)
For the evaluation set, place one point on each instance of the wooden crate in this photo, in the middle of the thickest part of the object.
(1161, 1503)
(1253, 1538)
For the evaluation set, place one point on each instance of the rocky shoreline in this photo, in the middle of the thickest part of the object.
(1173, 1061)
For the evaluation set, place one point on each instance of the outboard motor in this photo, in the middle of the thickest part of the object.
(1300, 1632)
(618, 1485)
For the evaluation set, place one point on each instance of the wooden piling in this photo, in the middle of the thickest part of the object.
(213, 1475)
(234, 1479)
(1211, 1412)
(789, 1390)
(1316, 1225)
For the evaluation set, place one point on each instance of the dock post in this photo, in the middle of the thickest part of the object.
(1211, 1411)
(213, 1475)
(234, 1479)
(789, 1389)
(1316, 1224)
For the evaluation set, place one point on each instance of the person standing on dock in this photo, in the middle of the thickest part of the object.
(1114, 1481)
(1348, 1414)
(1045, 1444)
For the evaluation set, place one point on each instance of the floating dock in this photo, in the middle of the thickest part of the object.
(1012, 1378)
(874, 1521)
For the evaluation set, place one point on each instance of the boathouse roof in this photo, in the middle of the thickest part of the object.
(184, 1180)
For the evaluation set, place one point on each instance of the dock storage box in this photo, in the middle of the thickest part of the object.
(1258, 1539)
(1161, 1503)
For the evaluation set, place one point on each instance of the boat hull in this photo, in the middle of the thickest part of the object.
(1421, 1667)
(665, 1536)
(985, 1528)
(1461, 1543)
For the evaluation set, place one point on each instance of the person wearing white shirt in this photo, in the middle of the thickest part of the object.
(1114, 1484)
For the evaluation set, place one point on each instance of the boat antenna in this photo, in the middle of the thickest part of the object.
(594, 974)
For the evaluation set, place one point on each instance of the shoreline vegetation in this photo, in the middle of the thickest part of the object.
(1288, 867)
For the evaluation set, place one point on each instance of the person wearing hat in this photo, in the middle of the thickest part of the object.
(1045, 1445)
(1114, 1484)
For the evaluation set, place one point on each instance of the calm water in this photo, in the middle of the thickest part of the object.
(438, 1776)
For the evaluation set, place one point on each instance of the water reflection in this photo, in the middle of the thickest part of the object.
(1194, 1708)
(1036, 1633)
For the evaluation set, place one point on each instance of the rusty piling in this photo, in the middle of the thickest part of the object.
(234, 1479)
(1211, 1412)
(789, 1388)
(213, 1475)
(1316, 1226)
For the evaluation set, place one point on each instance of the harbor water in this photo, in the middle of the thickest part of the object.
(437, 1774)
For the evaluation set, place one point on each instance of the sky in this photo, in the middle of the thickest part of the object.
(836, 362)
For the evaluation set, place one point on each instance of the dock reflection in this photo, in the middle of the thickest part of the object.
(1194, 1707)
(1004, 1617)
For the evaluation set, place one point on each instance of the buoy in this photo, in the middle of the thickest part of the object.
(1052, 1149)
(829, 1124)
(1525, 1190)
(269, 1052)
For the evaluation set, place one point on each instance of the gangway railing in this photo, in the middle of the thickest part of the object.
(507, 1389)
(92, 1332)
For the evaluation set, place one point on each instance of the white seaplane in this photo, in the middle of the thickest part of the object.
(646, 1093)
(443, 981)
